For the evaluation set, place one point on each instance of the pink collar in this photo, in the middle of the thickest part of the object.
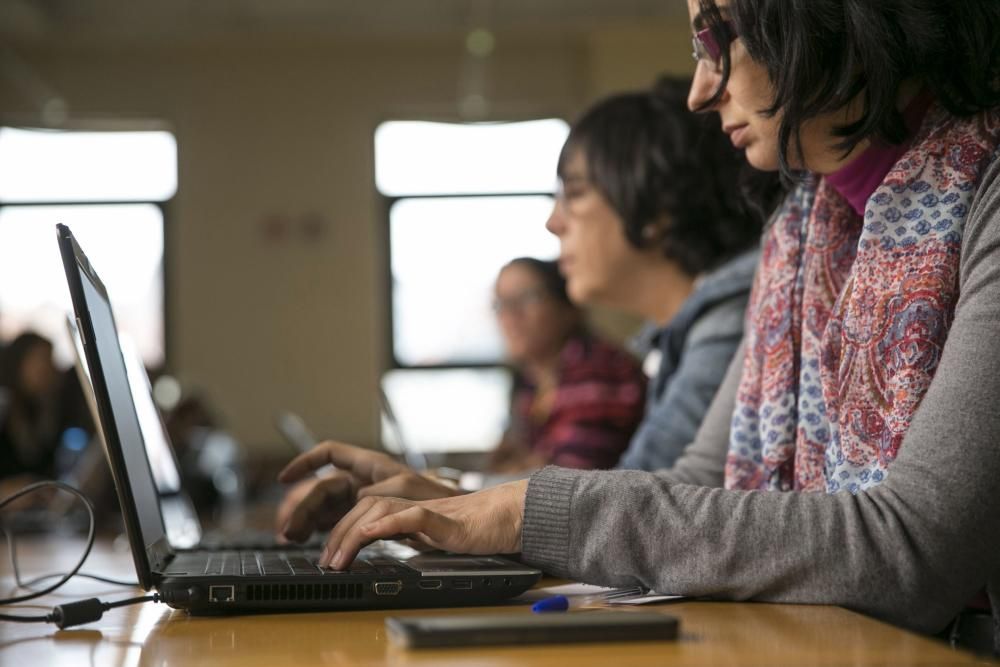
(857, 181)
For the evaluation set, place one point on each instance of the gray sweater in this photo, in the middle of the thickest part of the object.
(911, 551)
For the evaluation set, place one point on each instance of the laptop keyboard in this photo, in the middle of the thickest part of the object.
(271, 563)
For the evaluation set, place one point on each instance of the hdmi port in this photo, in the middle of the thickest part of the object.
(462, 584)
(430, 584)
(388, 587)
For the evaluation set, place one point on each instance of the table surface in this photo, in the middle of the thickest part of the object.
(712, 633)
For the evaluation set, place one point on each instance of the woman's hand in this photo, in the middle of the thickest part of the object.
(487, 522)
(410, 485)
(318, 503)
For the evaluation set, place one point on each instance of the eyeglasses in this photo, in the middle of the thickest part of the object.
(518, 302)
(705, 46)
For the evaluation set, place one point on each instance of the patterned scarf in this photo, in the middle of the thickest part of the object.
(848, 316)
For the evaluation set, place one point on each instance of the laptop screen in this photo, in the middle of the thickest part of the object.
(162, 461)
(126, 424)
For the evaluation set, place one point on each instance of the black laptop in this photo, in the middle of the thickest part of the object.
(230, 581)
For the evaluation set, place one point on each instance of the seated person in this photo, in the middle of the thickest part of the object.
(29, 412)
(858, 423)
(577, 399)
(651, 221)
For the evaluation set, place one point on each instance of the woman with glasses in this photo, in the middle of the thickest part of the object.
(651, 222)
(859, 421)
(577, 399)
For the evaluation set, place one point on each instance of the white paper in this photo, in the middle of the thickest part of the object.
(574, 590)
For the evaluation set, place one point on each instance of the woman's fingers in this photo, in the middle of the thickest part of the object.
(410, 485)
(436, 529)
(322, 503)
(381, 518)
(366, 465)
(480, 523)
(333, 553)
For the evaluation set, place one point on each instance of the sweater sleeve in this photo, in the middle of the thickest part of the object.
(911, 551)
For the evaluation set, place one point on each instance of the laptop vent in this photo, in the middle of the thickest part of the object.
(304, 592)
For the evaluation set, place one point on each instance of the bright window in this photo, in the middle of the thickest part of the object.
(58, 166)
(462, 201)
(116, 182)
(420, 158)
(446, 253)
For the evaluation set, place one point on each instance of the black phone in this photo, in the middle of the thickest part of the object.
(556, 628)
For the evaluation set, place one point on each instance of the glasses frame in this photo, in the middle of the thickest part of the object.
(519, 302)
(705, 47)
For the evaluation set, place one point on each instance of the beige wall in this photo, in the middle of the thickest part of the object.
(286, 129)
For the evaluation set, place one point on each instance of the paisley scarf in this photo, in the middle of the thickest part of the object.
(849, 314)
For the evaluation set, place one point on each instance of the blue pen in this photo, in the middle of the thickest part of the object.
(564, 603)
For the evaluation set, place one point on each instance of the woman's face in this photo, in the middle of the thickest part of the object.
(38, 372)
(533, 323)
(595, 256)
(747, 93)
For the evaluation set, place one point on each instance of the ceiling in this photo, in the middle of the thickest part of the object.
(39, 22)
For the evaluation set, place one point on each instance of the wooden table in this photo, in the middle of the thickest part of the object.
(712, 633)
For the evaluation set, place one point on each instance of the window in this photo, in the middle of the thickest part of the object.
(110, 188)
(462, 200)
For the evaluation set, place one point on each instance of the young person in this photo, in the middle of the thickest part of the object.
(651, 221)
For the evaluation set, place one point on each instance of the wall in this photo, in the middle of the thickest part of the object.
(285, 129)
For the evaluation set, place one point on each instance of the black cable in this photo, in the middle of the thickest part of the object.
(72, 613)
(79, 612)
(31, 488)
(26, 619)
(86, 575)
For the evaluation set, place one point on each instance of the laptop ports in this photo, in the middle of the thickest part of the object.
(462, 584)
(431, 584)
(388, 587)
(221, 594)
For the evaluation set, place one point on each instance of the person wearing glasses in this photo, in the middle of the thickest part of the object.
(652, 222)
(577, 398)
(859, 420)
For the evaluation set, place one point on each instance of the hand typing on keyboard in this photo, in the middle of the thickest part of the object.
(487, 522)
(318, 503)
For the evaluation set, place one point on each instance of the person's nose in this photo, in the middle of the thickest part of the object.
(704, 85)
(556, 224)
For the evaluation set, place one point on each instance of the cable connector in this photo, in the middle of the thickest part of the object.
(90, 610)
(77, 613)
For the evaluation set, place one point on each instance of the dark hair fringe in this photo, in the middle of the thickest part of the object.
(655, 161)
(821, 54)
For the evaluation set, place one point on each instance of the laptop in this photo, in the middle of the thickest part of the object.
(209, 581)
(180, 519)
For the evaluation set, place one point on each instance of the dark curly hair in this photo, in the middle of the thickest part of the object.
(822, 54)
(655, 162)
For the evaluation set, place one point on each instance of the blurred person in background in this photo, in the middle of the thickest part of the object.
(30, 414)
(651, 221)
(655, 218)
(577, 398)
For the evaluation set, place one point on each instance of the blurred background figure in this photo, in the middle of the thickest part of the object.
(44, 425)
(576, 399)
(29, 410)
(652, 222)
